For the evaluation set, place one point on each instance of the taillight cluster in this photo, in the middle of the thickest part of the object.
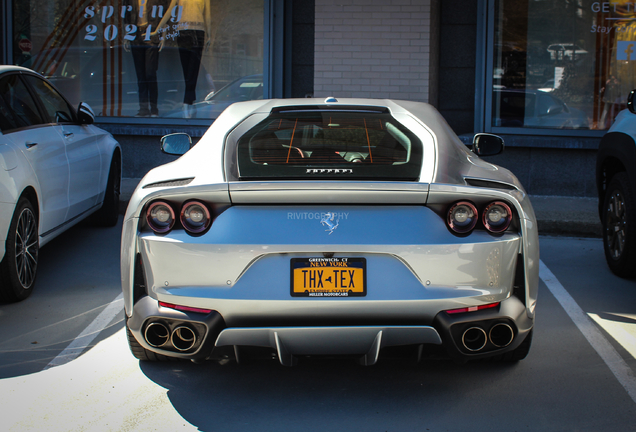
(463, 216)
(195, 217)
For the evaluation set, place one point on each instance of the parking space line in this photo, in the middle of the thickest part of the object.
(601, 345)
(79, 344)
(622, 332)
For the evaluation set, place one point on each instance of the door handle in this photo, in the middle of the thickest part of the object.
(68, 134)
(30, 144)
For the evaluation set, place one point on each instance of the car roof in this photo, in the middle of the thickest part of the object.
(267, 105)
(11, 68)
(521, 91)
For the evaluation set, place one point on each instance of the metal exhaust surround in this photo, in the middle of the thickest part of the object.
(474, 339)
(156, 334)
(501, 335)
(183, 338)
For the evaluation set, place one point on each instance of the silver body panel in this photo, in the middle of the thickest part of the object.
(250, 276)
(416, 267)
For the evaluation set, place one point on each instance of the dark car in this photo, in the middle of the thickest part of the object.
(616, 183)
(240, 90)
(535, 108)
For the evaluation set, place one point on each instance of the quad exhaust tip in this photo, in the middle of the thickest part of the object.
(182, 337)
(501, 335)
(156, 334)
(475, 338)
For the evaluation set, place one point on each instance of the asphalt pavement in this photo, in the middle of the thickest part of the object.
(556, 215)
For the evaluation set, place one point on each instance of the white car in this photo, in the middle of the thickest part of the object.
(314, 227)
(56, 169)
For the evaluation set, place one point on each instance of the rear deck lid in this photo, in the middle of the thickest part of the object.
(323, 153)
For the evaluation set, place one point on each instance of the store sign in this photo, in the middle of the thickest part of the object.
(130, 31)
(25, 45)
(144, 58)
(607, 7)
(626, 50)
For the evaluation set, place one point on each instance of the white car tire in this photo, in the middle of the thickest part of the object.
(108, 215)
(142, 353)
(19, 265)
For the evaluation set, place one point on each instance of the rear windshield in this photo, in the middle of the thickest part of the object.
(329, 145)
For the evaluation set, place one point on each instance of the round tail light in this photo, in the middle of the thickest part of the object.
(160, 217)
(462, 217)
(195, 217)
(497, 217)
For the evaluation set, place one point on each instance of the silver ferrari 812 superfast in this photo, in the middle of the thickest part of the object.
(311, 227)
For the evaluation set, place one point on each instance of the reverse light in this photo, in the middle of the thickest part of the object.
(473, 308)
(195, 217)
(497, 217)
(160, 217)
(184, 308)
(462, 217)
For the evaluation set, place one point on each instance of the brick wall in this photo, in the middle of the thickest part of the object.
(376, 49)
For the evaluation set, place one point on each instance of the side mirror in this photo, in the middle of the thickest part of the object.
(630, 102)
(85, 114)
(176, 144)
(552, 110)
(487, 144)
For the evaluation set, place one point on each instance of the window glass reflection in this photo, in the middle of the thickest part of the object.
(55, 107)
(17, 107)
(562, 64)
(142, 58)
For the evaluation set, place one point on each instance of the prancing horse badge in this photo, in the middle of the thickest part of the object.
(330, 221)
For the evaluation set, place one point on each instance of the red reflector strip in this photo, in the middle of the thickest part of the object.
(184, 308)
(473, 308)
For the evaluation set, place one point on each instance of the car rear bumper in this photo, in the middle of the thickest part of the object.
(242, 270)
(211, 332)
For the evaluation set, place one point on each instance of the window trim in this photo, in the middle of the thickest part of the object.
(40, 104)
(35, 99)
(253, 171)
(484, 85)
(274, 53)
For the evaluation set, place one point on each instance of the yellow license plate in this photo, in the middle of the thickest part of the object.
(328, 277)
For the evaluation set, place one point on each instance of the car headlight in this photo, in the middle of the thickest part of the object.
(160, 217)
(462, 217)
(497, 217)
(195, 217)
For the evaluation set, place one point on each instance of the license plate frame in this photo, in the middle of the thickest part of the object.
(309, 277)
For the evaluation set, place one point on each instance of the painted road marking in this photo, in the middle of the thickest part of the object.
(601, 345)
(605, 350)
(81, 342)
(623, 332)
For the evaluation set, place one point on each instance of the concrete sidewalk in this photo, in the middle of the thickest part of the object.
(567, 216)
(561, 216)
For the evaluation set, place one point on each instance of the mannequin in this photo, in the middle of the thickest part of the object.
(193, 20)
(145, 53)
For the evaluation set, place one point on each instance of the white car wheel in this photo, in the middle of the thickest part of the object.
(108, 215)
(19, 266)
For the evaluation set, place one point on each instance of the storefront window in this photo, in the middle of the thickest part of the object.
(145, 58)
(562, 64)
